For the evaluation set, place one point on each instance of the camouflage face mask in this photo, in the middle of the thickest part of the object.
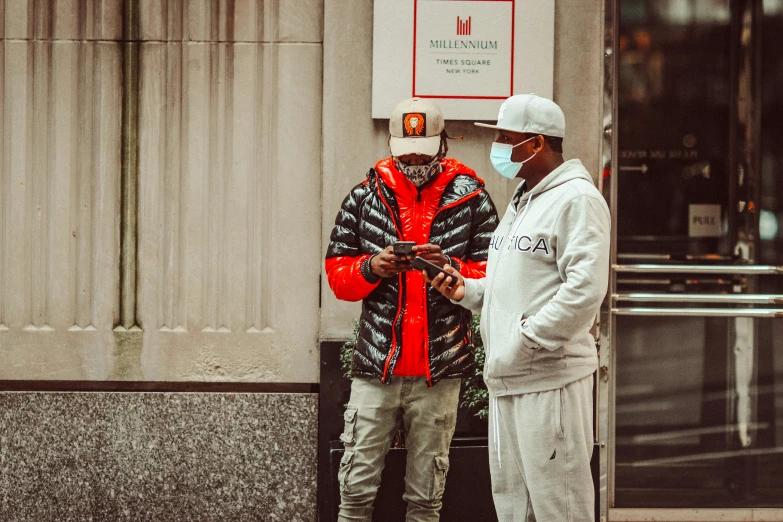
(420, 174)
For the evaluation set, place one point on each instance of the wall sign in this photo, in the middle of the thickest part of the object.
(469, 55)
(704, 221)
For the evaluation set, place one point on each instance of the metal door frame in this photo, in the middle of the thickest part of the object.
(604, 395)
(605, 382)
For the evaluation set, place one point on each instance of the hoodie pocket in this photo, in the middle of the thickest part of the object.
(506, 356)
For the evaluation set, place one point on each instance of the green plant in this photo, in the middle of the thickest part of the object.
(346, 352)
(474, 393)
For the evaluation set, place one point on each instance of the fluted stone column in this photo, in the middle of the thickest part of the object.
(159, 259)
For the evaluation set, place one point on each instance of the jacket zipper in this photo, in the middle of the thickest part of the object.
(426, 340)
(426, 301)
(400, 307)
(427, 337)
(388, 207)
(394, 346)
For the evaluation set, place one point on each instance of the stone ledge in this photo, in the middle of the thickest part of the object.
(157, 456)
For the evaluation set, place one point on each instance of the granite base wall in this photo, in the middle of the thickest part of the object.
(157, 456)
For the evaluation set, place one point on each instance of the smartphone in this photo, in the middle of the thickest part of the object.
(431, 269)
(403, 248)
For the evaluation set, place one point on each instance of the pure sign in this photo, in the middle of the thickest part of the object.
(704, 220)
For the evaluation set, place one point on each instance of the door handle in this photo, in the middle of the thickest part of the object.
(643, 168)
(639, 297)
(699, 269)
(645, 257)
(668, 257)
(707, 257)
(701, 312)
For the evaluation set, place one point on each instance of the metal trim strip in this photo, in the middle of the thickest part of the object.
(696, 515)
(698, 269)
(771, 313)
(772, 299)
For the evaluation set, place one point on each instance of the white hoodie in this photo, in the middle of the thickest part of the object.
(547, 274)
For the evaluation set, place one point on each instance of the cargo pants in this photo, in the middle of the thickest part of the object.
(372, 417)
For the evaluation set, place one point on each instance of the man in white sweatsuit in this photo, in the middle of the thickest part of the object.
(547, 274)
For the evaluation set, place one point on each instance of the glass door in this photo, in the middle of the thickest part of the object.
(694, 365)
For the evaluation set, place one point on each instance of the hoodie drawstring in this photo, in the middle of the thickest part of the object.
(527, 206)
(496, 428)
(495, 409)
(522, 217)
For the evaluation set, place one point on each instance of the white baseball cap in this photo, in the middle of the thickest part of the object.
(415, 126)
(530, 114)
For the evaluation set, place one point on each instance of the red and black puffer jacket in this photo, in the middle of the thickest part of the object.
(403, 313)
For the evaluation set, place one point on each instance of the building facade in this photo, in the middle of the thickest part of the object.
(170, 175)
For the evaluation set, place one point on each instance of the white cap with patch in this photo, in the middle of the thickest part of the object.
(530, 114)
(415, 127)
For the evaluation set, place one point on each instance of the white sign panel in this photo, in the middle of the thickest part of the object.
(469, 55)
(704, 221)
(469, 58)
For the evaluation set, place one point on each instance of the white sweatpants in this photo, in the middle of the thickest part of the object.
(539, 455)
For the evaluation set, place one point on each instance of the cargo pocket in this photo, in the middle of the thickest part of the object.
(349, 431)
(447, 424)
(440, 469)
(344, 474)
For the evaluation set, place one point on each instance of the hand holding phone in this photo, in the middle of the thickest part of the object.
(432, 270)
(387, 264)
(432, 253)
(403, 248)
(448, 282)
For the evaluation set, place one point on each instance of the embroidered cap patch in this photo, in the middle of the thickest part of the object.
(413, 124)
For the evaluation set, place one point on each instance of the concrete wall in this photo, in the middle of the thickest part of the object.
(219, 275)
(229, 155)
(59, 190)
(159, 221)
(353, 142)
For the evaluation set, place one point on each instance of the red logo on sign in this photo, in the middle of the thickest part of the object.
(463, 26)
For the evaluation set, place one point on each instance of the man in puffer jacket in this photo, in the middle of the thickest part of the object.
(414, 346)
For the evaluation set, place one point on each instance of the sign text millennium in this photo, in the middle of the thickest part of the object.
(489, 45)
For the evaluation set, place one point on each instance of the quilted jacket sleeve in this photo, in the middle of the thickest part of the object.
(485, 220)
(347, 268)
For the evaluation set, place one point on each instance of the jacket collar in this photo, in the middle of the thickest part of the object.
(404, 189)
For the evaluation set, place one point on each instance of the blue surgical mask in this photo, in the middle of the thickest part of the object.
(500, 156)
